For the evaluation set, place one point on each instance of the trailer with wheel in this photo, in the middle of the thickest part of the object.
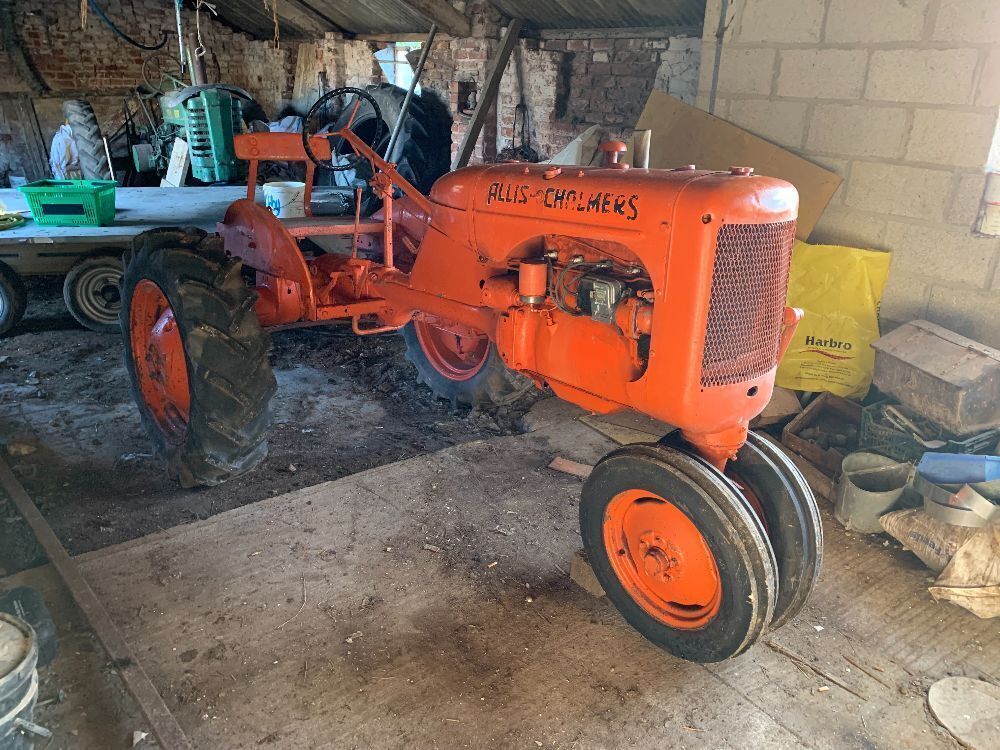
(89, 258)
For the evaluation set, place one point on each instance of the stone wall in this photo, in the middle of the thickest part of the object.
(899, 98)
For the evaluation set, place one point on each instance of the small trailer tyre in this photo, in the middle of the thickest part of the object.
(92, 291)
(196, 355)
(13, 298)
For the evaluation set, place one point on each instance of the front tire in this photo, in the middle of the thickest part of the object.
(679, 552)
(196, 355)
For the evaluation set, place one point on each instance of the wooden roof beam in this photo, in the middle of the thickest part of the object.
(444, 15)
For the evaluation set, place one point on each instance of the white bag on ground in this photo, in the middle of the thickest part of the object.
(64, 161)
(972, 578)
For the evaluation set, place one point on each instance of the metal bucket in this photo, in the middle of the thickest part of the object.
(18, 682)
(869, 486)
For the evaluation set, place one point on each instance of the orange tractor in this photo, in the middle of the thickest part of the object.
(661, 291)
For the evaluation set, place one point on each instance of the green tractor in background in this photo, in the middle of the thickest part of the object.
(207, 117)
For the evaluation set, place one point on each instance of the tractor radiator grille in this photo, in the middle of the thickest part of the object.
(749, 284)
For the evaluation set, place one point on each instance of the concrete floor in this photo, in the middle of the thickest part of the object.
(426, 604)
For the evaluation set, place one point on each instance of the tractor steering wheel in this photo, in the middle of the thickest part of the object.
(348, 101)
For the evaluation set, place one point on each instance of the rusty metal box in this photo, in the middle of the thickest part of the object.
(948, 378)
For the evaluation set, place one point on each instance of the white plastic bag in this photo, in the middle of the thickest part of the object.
(64, 160)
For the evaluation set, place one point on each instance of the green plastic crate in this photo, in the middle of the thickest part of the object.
(71, 203)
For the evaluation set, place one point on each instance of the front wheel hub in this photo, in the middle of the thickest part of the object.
(662, 560)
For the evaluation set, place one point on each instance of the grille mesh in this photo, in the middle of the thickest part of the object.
(749, 284)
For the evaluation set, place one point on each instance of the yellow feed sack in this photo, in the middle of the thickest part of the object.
(839, 288)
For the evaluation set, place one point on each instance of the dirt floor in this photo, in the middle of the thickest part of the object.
(344, 404)
(421, 599)
(426, 604)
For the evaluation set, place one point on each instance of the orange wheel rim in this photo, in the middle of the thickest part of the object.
(662, 560)
(158, 356)
(454, 355)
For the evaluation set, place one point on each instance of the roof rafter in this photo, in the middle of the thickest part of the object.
(443, 14)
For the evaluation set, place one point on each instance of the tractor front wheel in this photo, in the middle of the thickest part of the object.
(461, 367)
(679, 552)
(787, 509)
(196, 355)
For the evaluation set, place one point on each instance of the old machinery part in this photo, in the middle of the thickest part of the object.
(13, 298)
(91, 291)
(463, 367)
(207, 117)
(533, 280)
(89, 141)
(787, 509)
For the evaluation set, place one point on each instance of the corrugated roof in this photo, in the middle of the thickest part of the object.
(313, 17)
(600, 14)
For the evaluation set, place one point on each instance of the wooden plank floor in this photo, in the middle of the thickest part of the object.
(426, 604)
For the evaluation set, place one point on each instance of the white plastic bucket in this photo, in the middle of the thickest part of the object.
(285, 199)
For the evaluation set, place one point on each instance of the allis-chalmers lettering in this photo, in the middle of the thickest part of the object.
(620, 204)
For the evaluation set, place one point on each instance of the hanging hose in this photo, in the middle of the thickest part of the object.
(100, 14)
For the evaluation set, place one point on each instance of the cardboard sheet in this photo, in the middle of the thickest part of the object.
(683, 134)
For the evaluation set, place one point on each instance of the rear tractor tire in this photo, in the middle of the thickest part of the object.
(92, 292)
(679, 551)
(462, 369)
(89, 140)
(196, 355)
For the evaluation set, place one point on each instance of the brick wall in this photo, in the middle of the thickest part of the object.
(571, 84)
(900, 98)
(93, 63)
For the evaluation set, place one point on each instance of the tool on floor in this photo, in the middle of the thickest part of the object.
(657, 290)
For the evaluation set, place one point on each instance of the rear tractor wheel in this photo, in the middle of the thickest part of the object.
(679, 551)
(461, 367)
(196, 355)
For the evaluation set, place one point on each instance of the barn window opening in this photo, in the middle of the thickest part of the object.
(394, 59)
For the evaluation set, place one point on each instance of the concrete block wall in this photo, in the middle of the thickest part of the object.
(899, 98)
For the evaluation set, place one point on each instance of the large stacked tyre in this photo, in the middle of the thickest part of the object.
(13, 298)
(89, 141)
(92, 291)
(423, 147)
(461, 367)
(196, 355)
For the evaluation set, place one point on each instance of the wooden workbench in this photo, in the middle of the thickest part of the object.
(34, 249)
